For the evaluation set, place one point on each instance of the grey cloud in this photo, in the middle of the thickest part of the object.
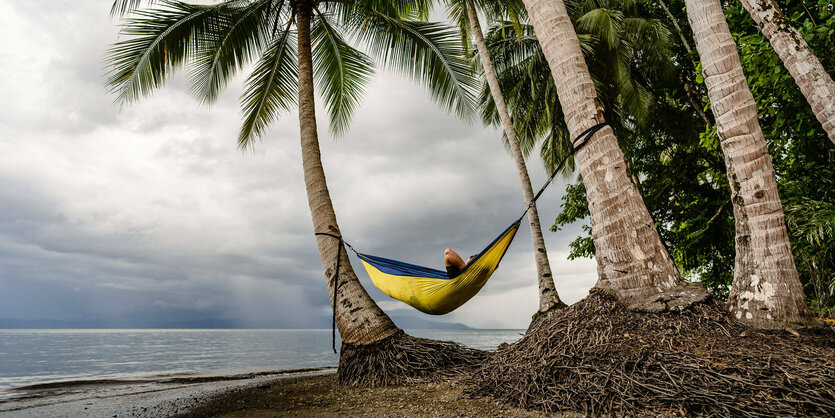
(152, 212)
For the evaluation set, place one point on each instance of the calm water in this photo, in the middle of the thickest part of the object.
(38, 356)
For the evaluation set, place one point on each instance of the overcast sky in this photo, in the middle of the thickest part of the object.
(150, 212)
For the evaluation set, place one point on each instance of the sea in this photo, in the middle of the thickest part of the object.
(40, 358)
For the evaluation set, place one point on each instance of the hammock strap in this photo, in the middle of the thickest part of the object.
(335, 282)
(586, 136)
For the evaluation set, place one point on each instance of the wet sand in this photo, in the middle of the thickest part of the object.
(153, 396)
(312, 392)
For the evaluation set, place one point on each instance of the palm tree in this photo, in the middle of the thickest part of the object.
(814, 82)
(464, 11)
(632, 263)
(627, 53)
(766, 291)
(219, 39)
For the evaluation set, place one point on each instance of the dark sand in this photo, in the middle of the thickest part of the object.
(311, 392)
(321, 396)
(150, 396)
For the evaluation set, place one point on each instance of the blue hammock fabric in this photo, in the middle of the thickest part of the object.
(431, 291)
(399, 268)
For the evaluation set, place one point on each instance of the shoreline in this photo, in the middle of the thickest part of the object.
(161, 395)
(295, 392)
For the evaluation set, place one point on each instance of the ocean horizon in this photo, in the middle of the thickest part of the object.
(34, 357)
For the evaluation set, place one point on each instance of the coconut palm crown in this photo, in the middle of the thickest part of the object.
(626, 49)
(215, 41)
(295, 45)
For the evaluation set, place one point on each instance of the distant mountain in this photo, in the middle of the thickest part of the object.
(414, 322)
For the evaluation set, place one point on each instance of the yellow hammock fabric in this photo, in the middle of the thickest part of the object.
(432, 291)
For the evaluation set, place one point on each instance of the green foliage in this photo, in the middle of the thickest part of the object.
(271, 88)
(158, 45)
(430, 53)
(639, 70)
(681, 175)
(803, 157)
(342, 73)
(626, 49)
(457, 12)
(575, 207)
(217, 40)
(235, 40)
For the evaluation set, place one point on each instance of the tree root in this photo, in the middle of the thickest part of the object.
(402, 358)
(600, 358)
(541, 317)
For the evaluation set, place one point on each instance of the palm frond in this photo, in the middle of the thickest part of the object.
(457, 14)
(814, 220)
(427, 52)
(402, 9)
(654, 40)
(161, 39)
(342, 73)
(238, 37)
(634, 97)
(602, 23)
(555, 147)
(510, 45)
(123, 7)
(271, 88)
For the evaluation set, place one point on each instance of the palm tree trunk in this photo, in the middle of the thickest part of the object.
(766, 291)
(359, 319)
(815, 84)
(548, 297)
(632, 263)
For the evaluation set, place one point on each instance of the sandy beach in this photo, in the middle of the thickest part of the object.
(312, 392)
(153, 396)
(321, 396)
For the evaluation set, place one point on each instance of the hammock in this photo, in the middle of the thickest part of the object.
(432, 291)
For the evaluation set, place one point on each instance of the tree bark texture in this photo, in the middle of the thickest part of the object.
(815, 84)
(548, 297)
(632, 263)
(766, 290)
(359, 319)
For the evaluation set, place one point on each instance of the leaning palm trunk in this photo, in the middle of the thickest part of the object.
(548, 297)
(766, 291)
(359, 319)
(808, 73)
(632, 263)
(374, 350)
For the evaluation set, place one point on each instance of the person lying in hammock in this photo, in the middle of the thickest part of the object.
(454, 263)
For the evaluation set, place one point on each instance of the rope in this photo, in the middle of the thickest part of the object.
(335, 283)
(586, 135)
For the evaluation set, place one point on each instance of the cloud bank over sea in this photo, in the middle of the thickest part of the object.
(123, 216)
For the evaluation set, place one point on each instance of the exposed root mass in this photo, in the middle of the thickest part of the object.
(402, 358)
(542, 316)
(597, 357)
